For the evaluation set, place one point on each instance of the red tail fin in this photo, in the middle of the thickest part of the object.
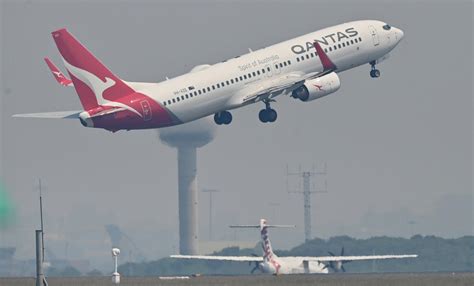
(94, 83)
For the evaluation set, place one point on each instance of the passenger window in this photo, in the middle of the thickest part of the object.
(263, 70)
(281, 65)
(208, 89)
(285, 64)
(360, 39)
(199, 91)
(307, 56)
(177, 99)
(330, 49)
(195, 93)
(213, 87)
(245, 76)
(268, 69)
(276, 66)
(352, 42)
(187, 96)
(339, 46)
(355, 40)
(289, 62)
(232, 81)
(298, 60)
(227, 82)
(335, 47)
(174, 101)
(326, 50)
(241, 79)
(312, 55)
(343, 44)
(218, 85)
(254, 74)
(258, 72)
(302, 58)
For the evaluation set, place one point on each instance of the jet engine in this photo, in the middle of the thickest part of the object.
(318, 87)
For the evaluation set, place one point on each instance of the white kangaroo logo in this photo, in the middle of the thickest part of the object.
(97, 86)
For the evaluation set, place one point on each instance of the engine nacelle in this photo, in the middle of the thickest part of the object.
(317, 88)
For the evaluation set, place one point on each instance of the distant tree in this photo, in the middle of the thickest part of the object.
(68, 271)
(94, 273)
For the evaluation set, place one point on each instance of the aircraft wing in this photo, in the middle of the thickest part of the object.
(286, 83)
(58, 75)
(220, 258)
(52, 115)
(349, 258)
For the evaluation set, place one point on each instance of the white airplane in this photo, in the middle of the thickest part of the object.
(304, 68)
(270, 263)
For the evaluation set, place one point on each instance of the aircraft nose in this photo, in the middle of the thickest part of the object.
(399, 33)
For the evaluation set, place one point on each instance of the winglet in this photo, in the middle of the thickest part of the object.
(58, 75)
(328, 65)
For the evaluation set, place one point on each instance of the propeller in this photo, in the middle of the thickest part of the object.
(336, 265)
(256, 267)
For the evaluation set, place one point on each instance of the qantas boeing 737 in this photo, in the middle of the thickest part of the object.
(304, 68)
(270, 263)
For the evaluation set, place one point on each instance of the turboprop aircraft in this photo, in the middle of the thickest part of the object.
(269, 262)
(305, 68)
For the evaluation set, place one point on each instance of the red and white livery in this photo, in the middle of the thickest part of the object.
(305, 68)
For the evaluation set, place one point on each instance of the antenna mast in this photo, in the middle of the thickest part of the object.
(41, 217)
(308, 189)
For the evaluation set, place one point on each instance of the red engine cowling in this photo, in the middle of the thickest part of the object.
(317, 88)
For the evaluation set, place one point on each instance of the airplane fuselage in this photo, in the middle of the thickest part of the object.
(209, 89)
(290, 265)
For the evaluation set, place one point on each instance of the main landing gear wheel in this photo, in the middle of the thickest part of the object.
(268, 114)
(223, 117)
(374, 73)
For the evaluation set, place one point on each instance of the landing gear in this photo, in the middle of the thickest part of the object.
(374, 73)
(268, 114)
(223, 117)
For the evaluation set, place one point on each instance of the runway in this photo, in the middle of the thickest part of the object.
(389, 279)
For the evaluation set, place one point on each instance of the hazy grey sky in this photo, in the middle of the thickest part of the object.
(398, 148)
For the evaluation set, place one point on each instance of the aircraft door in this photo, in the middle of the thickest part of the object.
(146, 110)
(375, 36)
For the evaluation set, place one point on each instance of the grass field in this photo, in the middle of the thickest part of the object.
(418, 279)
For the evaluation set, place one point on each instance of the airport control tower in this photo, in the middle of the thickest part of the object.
(186, 139)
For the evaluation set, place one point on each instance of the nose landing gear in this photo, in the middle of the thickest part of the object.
(374, 73)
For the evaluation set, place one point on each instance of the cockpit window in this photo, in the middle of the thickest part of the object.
(387, 27)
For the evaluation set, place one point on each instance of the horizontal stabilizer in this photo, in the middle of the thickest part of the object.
(351, 258)
(220, 258)
(258, 226)
(51, 115)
